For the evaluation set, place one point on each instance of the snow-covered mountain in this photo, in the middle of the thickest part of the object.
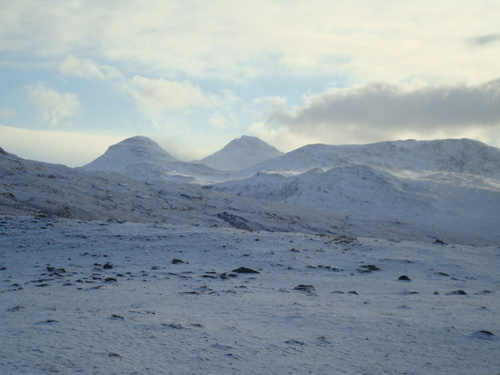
(129, 153)
(414, 188)
(450, 155)
(36, 188)
(241, 153)
(410, 182)
(141, 157)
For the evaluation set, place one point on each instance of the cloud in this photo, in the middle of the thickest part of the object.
(242, 40)
(155, 96)
(89, 69)
(379, 111)
(53, 105)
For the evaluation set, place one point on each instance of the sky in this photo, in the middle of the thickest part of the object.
(79, 76)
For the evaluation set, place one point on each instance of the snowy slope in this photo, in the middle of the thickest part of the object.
(102, 298)
(34, 188)
(241, 153)
(359, 191)
(450, 155)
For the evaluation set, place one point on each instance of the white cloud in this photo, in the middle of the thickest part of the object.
(365, 40)
(89, 69)
(54, 105)
(155, 96)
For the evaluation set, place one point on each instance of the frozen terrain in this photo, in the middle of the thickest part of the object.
(369, 259)
(111, 298)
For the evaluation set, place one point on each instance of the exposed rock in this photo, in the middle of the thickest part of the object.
(439, 242)
(245, 270)
(368, 268)
(305, 288)
(457, 293)
(235, 221)
(404, 278)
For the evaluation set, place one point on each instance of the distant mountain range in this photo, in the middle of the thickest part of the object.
(408, 189)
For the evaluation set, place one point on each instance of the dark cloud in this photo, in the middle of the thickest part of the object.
(390, 107)
(485, 39)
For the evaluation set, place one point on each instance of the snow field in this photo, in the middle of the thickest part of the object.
(317, 306)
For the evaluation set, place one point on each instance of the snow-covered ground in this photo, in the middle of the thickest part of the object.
(369, 259)
(130, 298)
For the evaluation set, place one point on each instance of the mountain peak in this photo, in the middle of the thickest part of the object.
(241, 153)
(131, 151)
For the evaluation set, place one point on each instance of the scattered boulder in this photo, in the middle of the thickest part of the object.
(487, 333)
(368, 268)
(484, 335)
(305, 288)
(404, 278)
(457, 293)
(107, 266)
(439, 242)
(177, 261)
(245, 270)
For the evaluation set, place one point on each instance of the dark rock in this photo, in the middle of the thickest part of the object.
(16, 308)
(439, 242)
(442, 274)
(305, 288)
(353, 292)
(110, 279)
(177, 261)
(107, 266)
(117, 316)
(225, 276)
(457, 293)
(245, 270)
(368, 268)
(235, 221)
(404, 278)
(487, 333)
(295, 342)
